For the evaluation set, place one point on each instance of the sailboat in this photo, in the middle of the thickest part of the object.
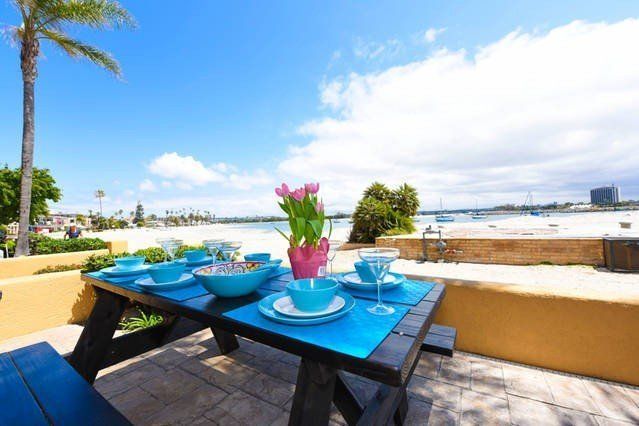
(533, 212)
(477, 215)
(442, 217)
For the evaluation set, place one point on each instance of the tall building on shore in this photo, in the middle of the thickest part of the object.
(604, 195)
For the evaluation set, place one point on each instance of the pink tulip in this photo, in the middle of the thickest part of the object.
(312, 188)
(299, 194)
(319, 207)
(283, 191)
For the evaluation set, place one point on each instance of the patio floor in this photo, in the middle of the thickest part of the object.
(189, 382)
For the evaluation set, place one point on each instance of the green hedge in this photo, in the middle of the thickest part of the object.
(41, 244)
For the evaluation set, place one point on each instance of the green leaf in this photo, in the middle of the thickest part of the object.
(282, 233)
(317, 227)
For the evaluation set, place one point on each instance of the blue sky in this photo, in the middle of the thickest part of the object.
(235, 85)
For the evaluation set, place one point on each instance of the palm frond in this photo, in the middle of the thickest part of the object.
(93, 13)
(76, 48)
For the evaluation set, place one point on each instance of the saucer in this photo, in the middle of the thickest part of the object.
(284, 305)
(352, 280)
(114, 271)
(148, 283)
(265, 306)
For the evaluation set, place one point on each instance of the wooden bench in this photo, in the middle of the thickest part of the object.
(440, 340)
(38, 387)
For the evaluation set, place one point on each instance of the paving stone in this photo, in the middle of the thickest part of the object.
(242, 408)
(633, 393)
(113, 384)
(613, 401)
(423, 413)
(481, 409)
(270, 389)
(455, 371)
(570, 392)
(524, 412)
(526, 382)
(281, 370)
(428, 365)
(437, 393)
(223, 373)
(190, 407)
(123, 367)
(172, 385)
(487, 377)
(168, 358)
(137, 405)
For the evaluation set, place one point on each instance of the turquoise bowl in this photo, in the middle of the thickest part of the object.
(275, 263)
(365, 273)
(194, 255)
(129, 263)
(312, 294)
(232, 279)
(166, 272)
(258, 257)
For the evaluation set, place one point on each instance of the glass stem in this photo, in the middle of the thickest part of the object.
(379, 284)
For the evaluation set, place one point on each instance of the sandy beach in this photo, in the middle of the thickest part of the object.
(583, 280)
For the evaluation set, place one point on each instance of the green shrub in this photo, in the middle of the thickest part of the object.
(57, 268)
(141, 322)
(41, 244)
(384, 212)
(152, 254)
(95, 262)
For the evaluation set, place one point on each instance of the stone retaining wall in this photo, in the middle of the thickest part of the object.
(506, 251)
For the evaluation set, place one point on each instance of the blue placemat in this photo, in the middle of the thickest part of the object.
(281, 270)
(178, 294)
(357, 333)
(409, 293)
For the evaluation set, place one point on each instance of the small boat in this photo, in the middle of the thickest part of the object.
(477, 215)
(443, 217)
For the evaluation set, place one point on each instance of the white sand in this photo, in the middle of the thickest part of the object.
(566, 279)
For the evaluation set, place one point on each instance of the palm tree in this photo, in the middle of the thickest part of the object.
(45, 20)
(99, 194)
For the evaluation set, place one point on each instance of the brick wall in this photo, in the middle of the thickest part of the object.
(506, 251)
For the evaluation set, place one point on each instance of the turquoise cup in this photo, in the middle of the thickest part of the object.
(258, 257)
(129, 263)
(312, 294)
(166, 272)
(365, 272)
(194, 255)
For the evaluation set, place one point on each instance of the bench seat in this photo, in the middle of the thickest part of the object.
(38, 387)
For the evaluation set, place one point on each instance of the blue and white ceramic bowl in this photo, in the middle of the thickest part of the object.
(232, 279)
(365, 273)
(312, 294)
(129, 263)
(166, 272)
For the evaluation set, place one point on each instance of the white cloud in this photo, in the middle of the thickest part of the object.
(147, 185)
(186, 169)
(549, 112)
(372, 50)
(166, 184)
(431, 34)
(247, 181)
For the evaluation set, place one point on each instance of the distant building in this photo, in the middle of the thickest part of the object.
(604, 195)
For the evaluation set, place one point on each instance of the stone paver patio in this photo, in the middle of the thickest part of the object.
(189, 382)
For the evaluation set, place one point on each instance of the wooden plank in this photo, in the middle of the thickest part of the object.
(313, 394)
(227, 342)
(383, 406)
(92, 348)
(442, 345)
(64, 396)
(17, 404)
(443, 330)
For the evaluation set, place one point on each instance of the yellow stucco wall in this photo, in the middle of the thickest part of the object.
(593, 336)
(37, 302)
(27, 265)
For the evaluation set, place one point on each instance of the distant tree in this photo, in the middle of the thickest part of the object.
(99, 194)
(139, 214)
(81, 219)
(46, 20)
(44, 189)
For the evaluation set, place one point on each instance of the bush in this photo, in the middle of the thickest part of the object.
(57, 268)
(384, 212)
(95, 262)
(152, 254)
(41, 244)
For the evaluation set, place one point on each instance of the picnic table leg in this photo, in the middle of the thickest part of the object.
(313, 394)
(93, 345)
(346, 400)
(227, 342)
(389, 404)
(400, 415)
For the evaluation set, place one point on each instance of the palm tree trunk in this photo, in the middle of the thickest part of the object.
(28, 58)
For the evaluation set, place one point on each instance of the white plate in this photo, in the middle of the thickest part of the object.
(148, 283)
(285, 306)
(354, 278)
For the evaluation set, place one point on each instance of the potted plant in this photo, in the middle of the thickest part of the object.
(307, 248)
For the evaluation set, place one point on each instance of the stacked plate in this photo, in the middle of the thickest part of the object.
(279, 307)
(354, 281)
(116, 271)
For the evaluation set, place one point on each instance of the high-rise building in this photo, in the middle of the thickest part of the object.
(604, 195)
